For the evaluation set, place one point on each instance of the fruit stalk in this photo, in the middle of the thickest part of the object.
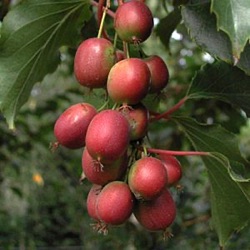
(126, 49)
(100, 31)
(109, 12)
(100, 10)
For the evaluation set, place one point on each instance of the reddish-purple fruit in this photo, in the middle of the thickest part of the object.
(138, 117)
(115, 203)
(173, 167)
(128, 81)
(159, 73)
(119, 55)
(147, 178)
(93, 61)
(157, 214)
(101, 174)
(91, 201)
(107, 136)
(71, 126)
(133, 21)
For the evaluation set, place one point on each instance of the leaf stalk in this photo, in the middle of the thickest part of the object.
(169, 112)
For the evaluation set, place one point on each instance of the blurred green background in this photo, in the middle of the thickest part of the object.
(42, 204)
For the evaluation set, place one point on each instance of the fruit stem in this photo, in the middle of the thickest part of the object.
(115, 40)
(103, 106)
(109, 12)
(100, 10)
(102, 23)
(172, 152)
(166, 114)
(145, 151)
(126, 50)
(115, 106)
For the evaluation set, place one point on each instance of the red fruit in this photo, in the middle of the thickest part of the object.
(115, 203)
(71, 126)
(128, 81)
(159, 73)
(107, 136)
(157, 214)
(133, 21)
(101, 174)
(93, 61)
(91, 201)
(173, 167)
(119, 55)
(147, 178)
(137, 116)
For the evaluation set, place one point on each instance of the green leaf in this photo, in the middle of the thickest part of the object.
(237, 171)
(233, 19)
(202, 26)
(31, 35)
(230, 199)
(224, 82)
(211, 138)
(244, 62)
(230, 207)
(167, 25)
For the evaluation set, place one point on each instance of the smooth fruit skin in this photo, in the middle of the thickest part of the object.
(93, 61)
(71, 127)
(115, 203)
(173, 167)
(159, 73)
(157, 214)
(101, 174)
(147, 178)
(133, 21)
(119, 55)
(108, 136)
(91, 201)
(138, 117)
(128, 81)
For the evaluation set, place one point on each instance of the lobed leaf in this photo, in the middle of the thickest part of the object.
(202, 26)
(222, 81)
(226, 195)
(233, 19)
(32, 33)
(230, 193)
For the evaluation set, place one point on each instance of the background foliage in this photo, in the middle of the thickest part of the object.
(42, 200)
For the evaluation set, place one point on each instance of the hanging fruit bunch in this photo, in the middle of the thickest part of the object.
(127, 177)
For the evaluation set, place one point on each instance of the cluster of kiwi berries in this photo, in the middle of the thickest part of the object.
(125, 179)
